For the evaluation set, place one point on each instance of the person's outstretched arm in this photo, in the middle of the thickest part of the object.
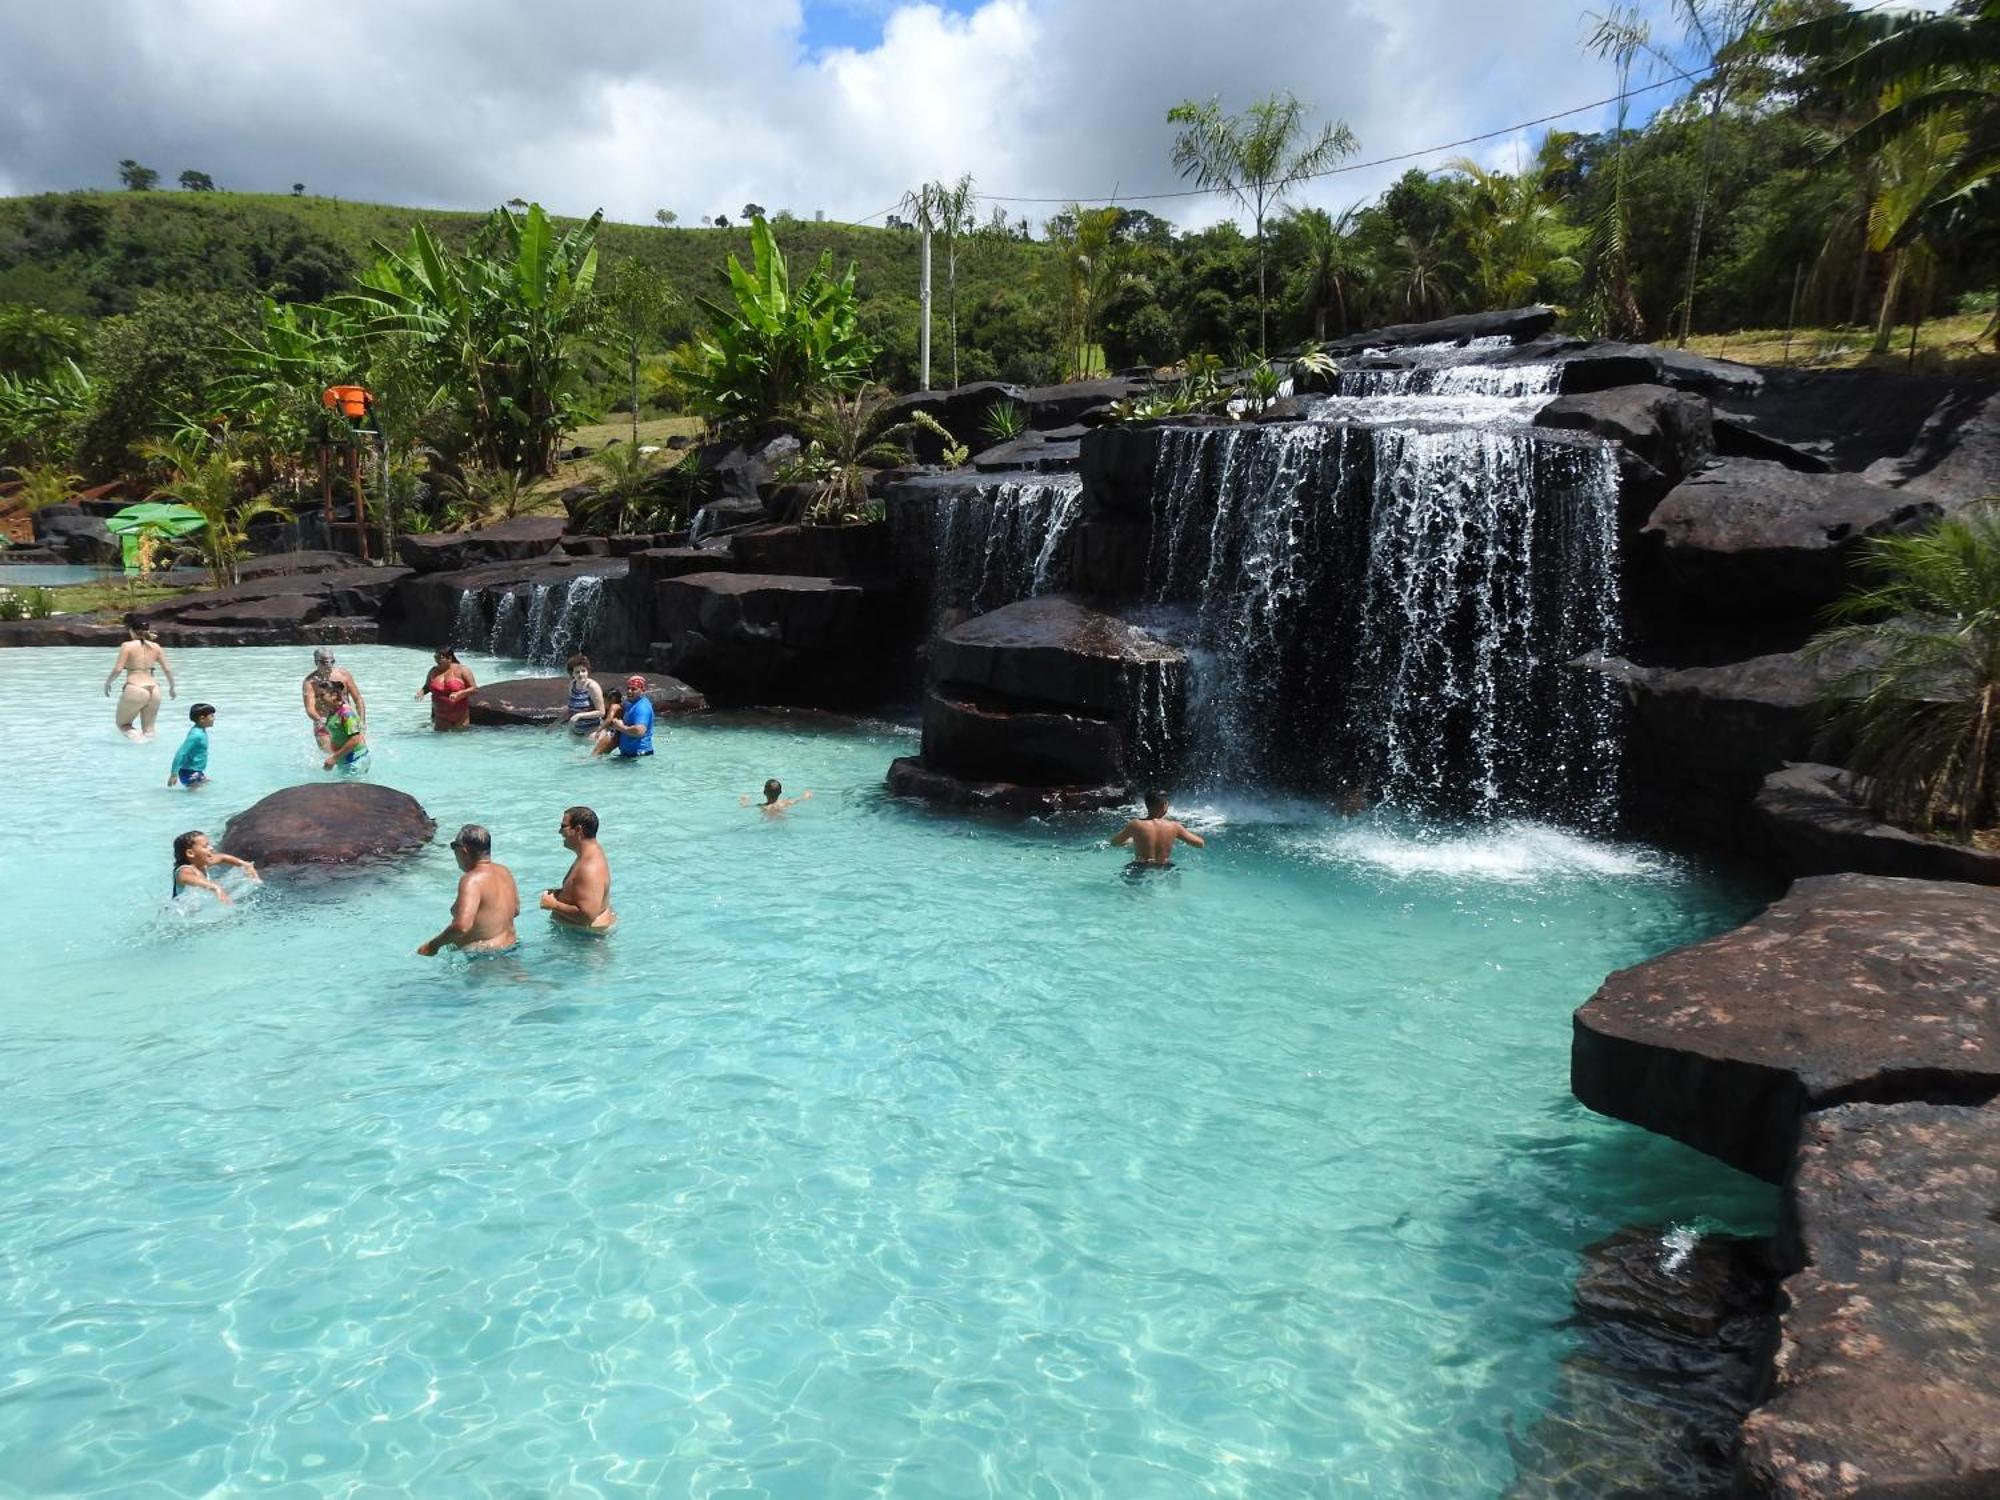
(246, 866)
(1181, 832)
(189, 875)
(464, 911)
(1122, 837)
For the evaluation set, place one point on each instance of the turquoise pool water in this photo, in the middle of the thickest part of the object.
(877, 1153)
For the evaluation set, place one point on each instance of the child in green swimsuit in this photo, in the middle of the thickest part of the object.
(345, 737)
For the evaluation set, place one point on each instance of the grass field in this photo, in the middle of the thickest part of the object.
(1945, 346)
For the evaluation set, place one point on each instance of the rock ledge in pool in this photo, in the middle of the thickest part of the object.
(1852, 988)
(1886, 1380)
(328, 824)
(544, 700)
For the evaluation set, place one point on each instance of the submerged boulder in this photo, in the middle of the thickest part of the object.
(1886, 1378)
(545, 700)
(328, 824)
(1851, 987)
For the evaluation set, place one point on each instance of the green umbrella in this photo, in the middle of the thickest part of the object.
(151, 518)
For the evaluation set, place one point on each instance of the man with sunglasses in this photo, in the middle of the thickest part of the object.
(482, 918)
(583, 900)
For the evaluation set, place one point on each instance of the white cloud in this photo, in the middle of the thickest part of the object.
(702, 107)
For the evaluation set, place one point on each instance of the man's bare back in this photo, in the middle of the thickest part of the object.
(1153, 837)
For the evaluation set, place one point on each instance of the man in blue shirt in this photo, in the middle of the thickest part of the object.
(635, 730)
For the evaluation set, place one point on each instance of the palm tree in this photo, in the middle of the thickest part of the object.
(1909, 167)
(1611, 306)
(1914, 70)
(1514, 233)
(1255, 158)
(1094, 266)
(1918, 714)
(1330, 265)
(1423, 272)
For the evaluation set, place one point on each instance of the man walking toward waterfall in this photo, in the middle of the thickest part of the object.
(1153, 837)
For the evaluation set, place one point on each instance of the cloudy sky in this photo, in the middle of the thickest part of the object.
(702, 105)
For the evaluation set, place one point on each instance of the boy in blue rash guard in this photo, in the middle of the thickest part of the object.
(635, 729)
(190, 767)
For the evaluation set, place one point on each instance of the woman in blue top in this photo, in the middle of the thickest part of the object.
(635, 729)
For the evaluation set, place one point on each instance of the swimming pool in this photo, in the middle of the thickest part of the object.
(877, 1152)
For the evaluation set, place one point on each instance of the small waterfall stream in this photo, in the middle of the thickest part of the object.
(553, 621)
(1003, 541)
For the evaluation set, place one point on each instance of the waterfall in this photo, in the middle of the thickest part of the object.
(505, 639)
(1391, 610)
(561, 618)
(1002, 541)
(468, 626)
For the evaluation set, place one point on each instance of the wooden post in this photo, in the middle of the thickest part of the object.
(326, 494)
(360, 499)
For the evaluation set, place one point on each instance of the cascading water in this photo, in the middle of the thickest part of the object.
(1391, 610)
(554, 620)
(1003, 541)
(468, 627)
(505, 637)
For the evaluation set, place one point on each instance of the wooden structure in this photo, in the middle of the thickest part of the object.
(351, 403)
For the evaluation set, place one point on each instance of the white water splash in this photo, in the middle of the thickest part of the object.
(1512, 852)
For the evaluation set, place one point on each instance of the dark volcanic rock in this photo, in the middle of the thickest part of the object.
(1111, 558)
(545, 700)
(1055, 651)
(81, 538)
(270, 611)
(286, 604)
(1600, 366)
(509, 541)
(1888, 1381)
(1118, 464)
(814, 551)
(734, 470)
(328, 823)
(290, 564)
(1043, 452)
(1755, 540)
(424, 608)
(1051, 406)
(960, 410)
(1519, 324)
(1667, 430)
(1956, 454)
(1735, 438)
(1856, 418)
(1708, 377)
(657, 564)
(757, 638)
(1040, 747)
(1853, 987)
(910, 777)
(1814, 825)
(64, 630)
(1671, 1336)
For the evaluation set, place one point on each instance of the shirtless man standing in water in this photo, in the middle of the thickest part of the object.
(1153, 837)
(584, 898)
(324, 675)
(482, 919)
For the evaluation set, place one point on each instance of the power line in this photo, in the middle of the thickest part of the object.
(1380, 161)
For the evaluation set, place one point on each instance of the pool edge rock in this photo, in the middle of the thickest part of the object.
(326, 825)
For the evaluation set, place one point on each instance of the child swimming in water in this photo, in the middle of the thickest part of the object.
(194, 857)
(345, 737)
(775, 801)
(190, 767)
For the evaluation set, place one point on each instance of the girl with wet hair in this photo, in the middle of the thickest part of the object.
(194, 857)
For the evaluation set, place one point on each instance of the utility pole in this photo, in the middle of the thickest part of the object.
(924, 304)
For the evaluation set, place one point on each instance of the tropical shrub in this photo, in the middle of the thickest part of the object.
(39, 415)
(43, 485)
(639, 491)
(848, 436)
(499, 328)
(1004, 421)
(155, 361)
(27, 603)
(208, 478)
(772, 346)
(1916, 704)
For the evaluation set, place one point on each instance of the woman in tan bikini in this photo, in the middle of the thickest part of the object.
(139, 703)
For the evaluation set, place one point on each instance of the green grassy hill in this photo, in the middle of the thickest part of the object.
(92, 253)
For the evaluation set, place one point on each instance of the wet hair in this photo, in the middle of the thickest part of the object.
(139, 630)
(184, 846)
(773, 790)
(583, 820)
(195, 713)
(1156, 804)
(614, 695)
(474, 840)
(579, 660)
(445, 653)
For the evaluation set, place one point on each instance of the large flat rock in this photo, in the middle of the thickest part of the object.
(1056, 651)
(1814, 824)
(911, 777)
(1035, 746)
(1519, 324)
(1888, 1370)
(1852, 987)
(1752, 539)
(545, 700)
(328, 825)
(508, 541)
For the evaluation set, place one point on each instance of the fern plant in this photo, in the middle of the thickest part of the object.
(1916, 713)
